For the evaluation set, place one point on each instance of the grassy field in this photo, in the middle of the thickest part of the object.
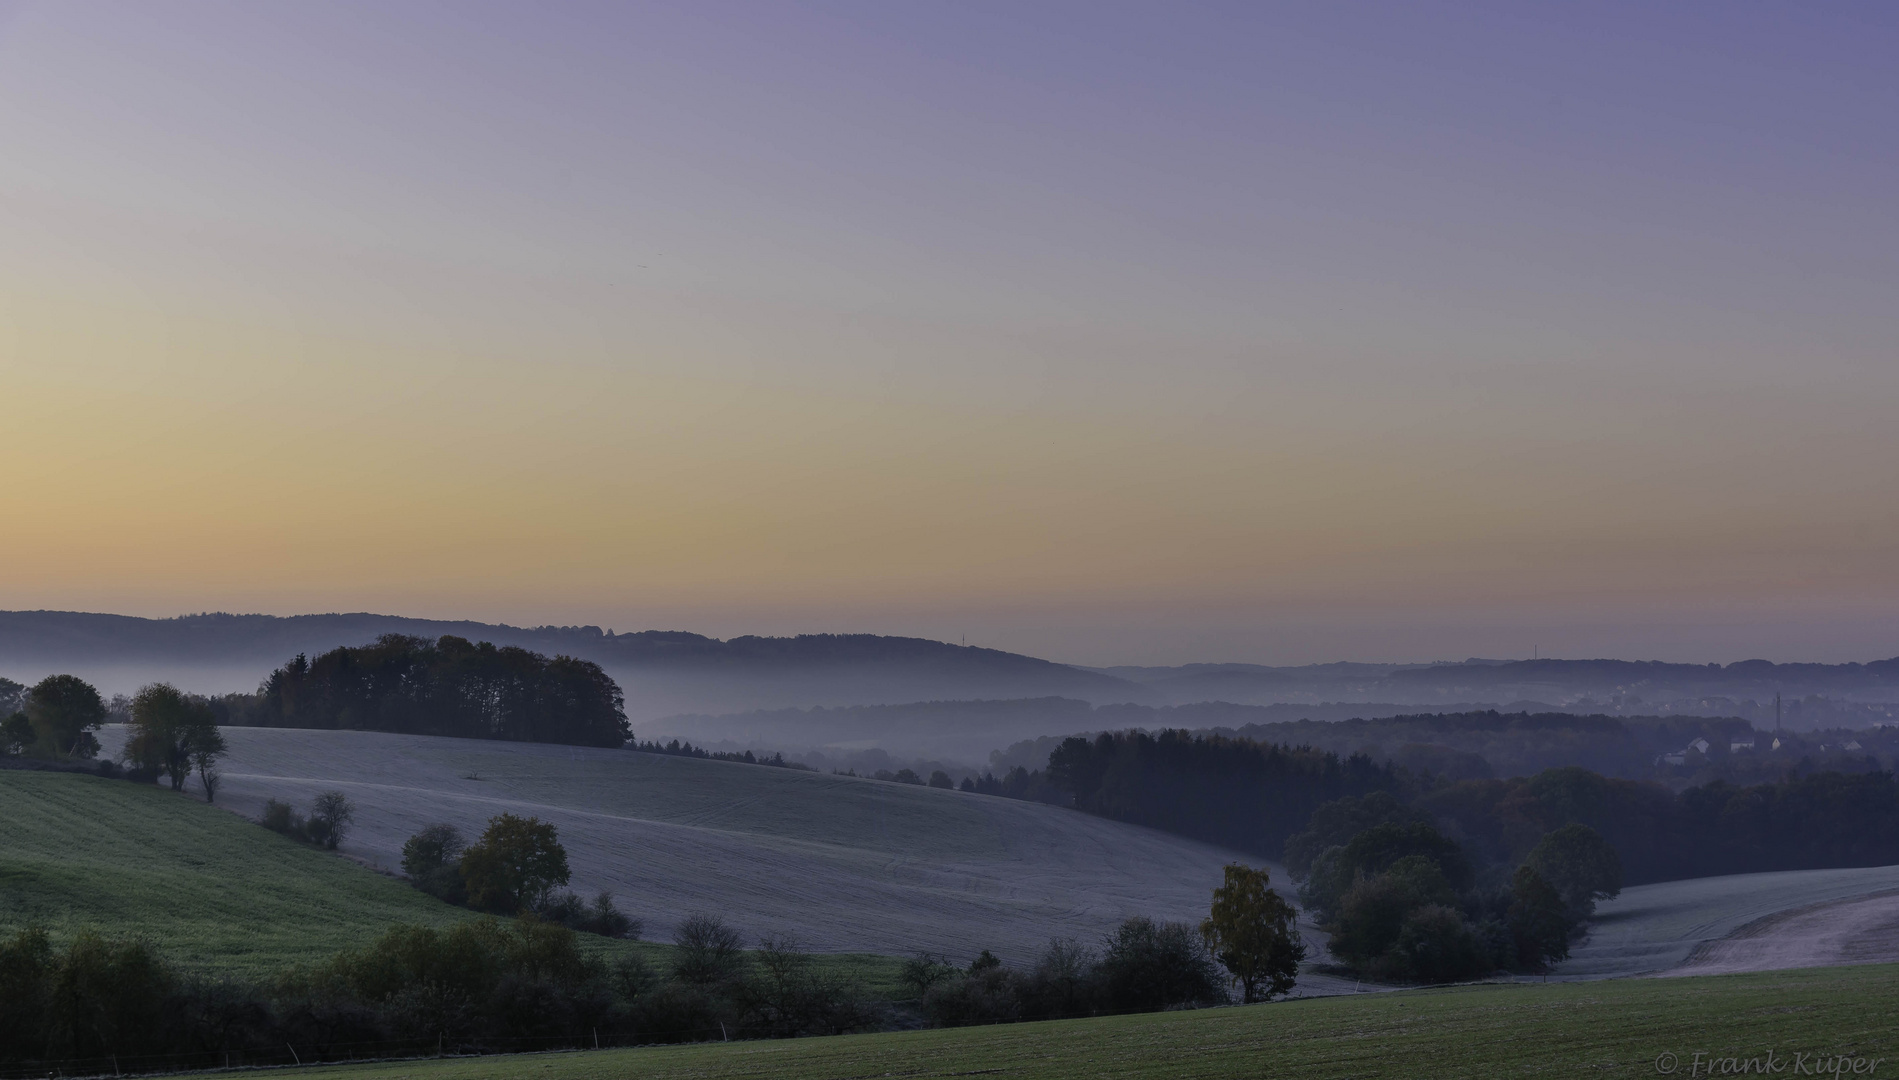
(1613, 1028)
(216, 893)
(842, 863)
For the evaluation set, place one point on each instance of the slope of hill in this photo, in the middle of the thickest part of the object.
(215, 892)
(1659, 927)
(845, 864)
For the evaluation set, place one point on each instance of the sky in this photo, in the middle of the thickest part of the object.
(1112, 333)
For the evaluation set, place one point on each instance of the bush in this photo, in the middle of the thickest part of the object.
(1062, 983)
(786, 997)
(710, 953)
(599, 917)
(987, 993)
(924, 970)
(281, 817)
(1147, 966)
(432, 859)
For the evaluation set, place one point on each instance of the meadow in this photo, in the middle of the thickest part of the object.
(844, 864)
(216, 893)
(1611, 1028)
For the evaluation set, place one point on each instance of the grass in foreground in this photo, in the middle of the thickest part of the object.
(1616, 1028)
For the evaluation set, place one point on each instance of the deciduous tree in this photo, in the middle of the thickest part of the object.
(65, 710)
(1253, 932)
(514, 865)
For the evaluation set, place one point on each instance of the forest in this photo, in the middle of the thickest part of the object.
(1239, 792)
(1253, 796)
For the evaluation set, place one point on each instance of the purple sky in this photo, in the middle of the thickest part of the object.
(1115, 333)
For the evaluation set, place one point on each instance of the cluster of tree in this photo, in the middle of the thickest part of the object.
(449, 686)
(1245, 794)
(171, 734)
(1807, 822)
(514, 868)
(1403, 902)
(679, 749)
(54, 720)
(168, 733)
(327, 824)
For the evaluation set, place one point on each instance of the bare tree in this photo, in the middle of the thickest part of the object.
(330, 818)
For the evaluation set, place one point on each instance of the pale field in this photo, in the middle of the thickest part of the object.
(843, 864)
(1655, 928)
(847, 864)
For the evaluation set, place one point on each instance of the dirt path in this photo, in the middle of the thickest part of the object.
(1863, 930)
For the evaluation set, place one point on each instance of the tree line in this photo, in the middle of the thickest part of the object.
(1244, 794)
(1252, 796)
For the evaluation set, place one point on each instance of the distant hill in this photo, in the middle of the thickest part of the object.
(662, 671)
(670, 672)
(1814, 695)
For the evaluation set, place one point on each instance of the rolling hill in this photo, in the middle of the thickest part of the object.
(662, 672)
(215, 892)
(845, 864)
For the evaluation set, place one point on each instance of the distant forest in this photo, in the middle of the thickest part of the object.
(448, 686)
(1238, 792)
(1252, 796)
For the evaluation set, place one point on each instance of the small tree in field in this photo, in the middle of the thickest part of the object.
(331, 815)
(1254, 934)
(514, 865)
(207, 746)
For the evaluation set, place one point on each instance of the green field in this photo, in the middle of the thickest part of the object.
(1613, 1028)
(216, 893)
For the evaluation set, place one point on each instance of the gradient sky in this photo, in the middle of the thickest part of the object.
(1112, 333)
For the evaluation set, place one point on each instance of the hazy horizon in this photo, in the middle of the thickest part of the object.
(1110, 335)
